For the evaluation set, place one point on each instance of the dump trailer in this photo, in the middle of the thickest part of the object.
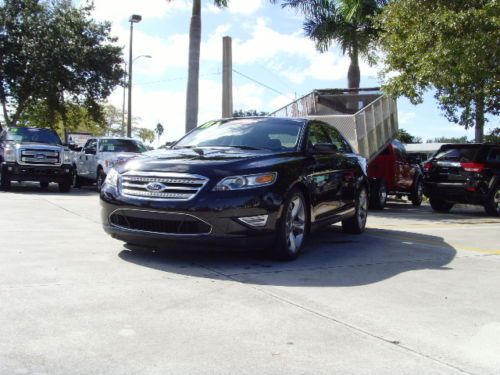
(368, 119)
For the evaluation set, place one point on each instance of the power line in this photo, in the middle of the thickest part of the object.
(175, 79)
(262, 84)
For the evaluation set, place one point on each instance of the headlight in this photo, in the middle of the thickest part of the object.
(10, 154)
(112, 178)
(109, 163)
(246, 182)
(67, 157)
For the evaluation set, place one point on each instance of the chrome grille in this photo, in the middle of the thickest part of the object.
(161, 185)
(34, 156)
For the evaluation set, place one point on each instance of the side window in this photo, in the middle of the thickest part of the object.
(337, 139)
(493, 156)
(91, 144)
(316, 135)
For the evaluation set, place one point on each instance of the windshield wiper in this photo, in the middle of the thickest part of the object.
(245, 147)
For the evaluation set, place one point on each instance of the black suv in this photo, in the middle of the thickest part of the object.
(33, 154)
(464, 173)
(247, 182)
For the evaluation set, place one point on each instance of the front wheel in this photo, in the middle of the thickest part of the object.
(356, 224)
(65, 186)
(101, 176)
(378, 195)
(417, 193)
(292, 228)
(77, 180)
(492, 206)
(440, 205)
(4, 181)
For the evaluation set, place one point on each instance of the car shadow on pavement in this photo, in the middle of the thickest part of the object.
(33, 188)
(331, 258)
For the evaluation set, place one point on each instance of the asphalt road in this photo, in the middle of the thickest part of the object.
(418, 293)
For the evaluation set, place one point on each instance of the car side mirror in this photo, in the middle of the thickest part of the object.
(322, 148)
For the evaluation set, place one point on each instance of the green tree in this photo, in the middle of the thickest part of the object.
(447, 45)
(407, 138)
(53, 52)
(493, 136)
(159, 130)
(348, 22)
(146, 135)
(248, 113)
(449, 140)
(194, 63)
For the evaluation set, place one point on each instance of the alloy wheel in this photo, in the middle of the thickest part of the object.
(362, 211)
(295, 224)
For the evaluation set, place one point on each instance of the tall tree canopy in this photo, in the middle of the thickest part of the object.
(448, 45)
(53, 52)
(347, 22)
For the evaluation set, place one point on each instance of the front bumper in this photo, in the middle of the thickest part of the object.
(16, 172)
(217, 214)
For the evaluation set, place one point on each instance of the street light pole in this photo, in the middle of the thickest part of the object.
(123, 102)
(135, 18)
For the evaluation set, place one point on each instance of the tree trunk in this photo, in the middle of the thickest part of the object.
(479, 126)
(353, 74)
(194, 67)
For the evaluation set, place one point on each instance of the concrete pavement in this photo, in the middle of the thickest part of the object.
(417, 293)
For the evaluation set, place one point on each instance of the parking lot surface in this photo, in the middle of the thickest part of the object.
(418, 293)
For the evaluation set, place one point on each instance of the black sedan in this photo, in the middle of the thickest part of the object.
(259, 182)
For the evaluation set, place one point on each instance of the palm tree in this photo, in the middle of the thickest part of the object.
(159, 130)
(348, 22)
(194, 63)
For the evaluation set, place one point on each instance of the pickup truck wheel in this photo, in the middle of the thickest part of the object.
(65, 186)
(77, 180)
(292, 228)
(492, 206)
(417, 193)
(101, 176)
(357, 223)
(44, 185)
(440, 205)
(378, 194)
(4, 182)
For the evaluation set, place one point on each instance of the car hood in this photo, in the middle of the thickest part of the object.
(118, 155)
(207, 160)
(36, 145)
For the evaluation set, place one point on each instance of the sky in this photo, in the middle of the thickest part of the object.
(269, 46)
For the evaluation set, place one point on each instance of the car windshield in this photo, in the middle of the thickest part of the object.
(121, 145)
(460, 154)
(247, 133)
(33, 135)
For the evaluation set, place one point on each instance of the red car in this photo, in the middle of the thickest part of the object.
(393, 173)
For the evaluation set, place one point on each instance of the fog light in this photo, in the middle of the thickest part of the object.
(9, 169)
(254, 221)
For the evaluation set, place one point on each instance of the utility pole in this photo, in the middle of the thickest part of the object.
(135, 18)
(227, 77)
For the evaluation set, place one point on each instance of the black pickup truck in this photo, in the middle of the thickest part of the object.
(33, 154)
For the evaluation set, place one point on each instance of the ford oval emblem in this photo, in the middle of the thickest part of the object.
(155, 187)
(40, 156)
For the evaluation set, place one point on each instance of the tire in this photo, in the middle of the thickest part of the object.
(77, 180)
(101, 176)
(440, 205)
(44, 185)
(357, 223)
(293, 227)
(378, 194)
(418, 193)
(492, 206)
(4, 182)
(65, 186)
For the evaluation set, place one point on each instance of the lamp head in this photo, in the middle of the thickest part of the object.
(134, 18)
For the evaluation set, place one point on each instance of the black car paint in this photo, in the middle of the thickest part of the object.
(330, 182)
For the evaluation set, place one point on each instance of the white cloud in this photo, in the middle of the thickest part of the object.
(121, 11)
(242, 7)
(406, 117)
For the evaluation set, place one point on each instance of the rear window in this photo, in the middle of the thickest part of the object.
(494, 155)
(460, 154)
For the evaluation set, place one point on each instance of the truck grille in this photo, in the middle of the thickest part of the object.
(33, 156)
(169, 224)
(164, 186)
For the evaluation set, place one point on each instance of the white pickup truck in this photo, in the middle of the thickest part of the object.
(99, 155)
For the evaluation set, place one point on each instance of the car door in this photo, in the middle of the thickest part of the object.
(87, 158)
(324, 172)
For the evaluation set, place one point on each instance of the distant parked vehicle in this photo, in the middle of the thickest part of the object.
(33, 154)
(464, 173)
(393, 172)
(99, 155)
